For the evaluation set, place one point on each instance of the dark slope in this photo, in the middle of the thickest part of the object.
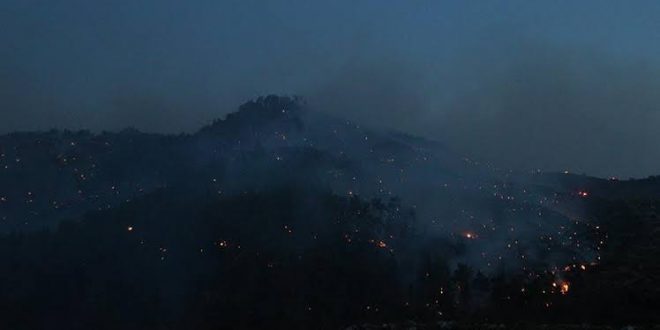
(287, 255)
(337, 223)
(299, 256)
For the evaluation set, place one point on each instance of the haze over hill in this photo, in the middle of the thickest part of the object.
(550, 85)
(446, 164)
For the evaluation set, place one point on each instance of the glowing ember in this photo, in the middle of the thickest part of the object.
(583, 194)
(382, 244)
(563, 286)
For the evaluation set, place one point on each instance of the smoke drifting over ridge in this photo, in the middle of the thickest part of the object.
(540, 107)
(580, 96)
(557, 108)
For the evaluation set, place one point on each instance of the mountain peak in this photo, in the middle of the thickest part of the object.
(270, 105)
(260, 112)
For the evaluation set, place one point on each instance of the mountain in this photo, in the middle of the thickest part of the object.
(280, 215)
(45, 177)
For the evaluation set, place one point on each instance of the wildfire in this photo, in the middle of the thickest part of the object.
(583, 194)
(563, 286)
(382, 244)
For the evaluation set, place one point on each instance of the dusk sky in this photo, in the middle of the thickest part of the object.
(552, 85)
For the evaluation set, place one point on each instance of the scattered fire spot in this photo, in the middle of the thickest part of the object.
(470, 235)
